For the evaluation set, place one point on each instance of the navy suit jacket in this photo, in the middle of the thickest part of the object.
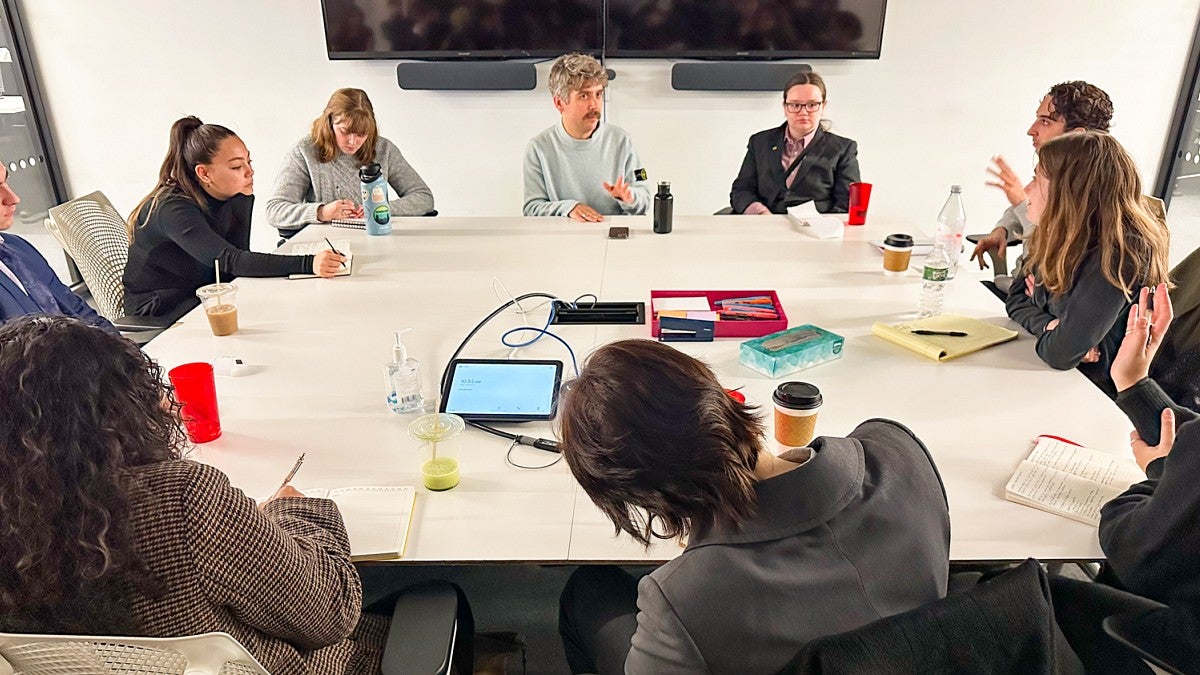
(827, 168)
(14, 302)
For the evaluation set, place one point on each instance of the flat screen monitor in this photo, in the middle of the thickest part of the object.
(745, 29)
(460, 29)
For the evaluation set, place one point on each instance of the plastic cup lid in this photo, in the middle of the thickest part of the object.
(898, 240)
(436, 427)
(216, 289)
(797, 396)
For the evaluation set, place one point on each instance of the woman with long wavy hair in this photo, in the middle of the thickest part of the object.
(1096, 245)
(107, 530)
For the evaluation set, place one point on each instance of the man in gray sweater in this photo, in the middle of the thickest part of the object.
(580, 168)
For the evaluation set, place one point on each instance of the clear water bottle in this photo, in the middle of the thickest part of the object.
(933, 281)
(950, 225)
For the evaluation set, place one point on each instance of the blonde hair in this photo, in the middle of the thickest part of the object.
(572, 72)
(350, 107)
(1095, 204)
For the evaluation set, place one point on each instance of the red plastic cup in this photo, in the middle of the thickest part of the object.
(197, 391)
(860, 198)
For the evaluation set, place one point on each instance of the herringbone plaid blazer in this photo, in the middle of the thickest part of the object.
(277, 578)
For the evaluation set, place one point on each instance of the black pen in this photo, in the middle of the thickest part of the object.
(331, 248)
(950, 333)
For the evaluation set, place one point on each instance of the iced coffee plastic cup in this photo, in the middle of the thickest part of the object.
(796, 407)
(220, 305)
(897, 252)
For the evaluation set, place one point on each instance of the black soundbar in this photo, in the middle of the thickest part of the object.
(467, 75)
(733, 75)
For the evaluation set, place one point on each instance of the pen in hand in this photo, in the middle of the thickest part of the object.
(292, 473)
(950, 333)
(331, 248)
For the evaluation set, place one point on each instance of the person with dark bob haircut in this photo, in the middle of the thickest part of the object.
(799, 160)
(781, 549)
(108, 530)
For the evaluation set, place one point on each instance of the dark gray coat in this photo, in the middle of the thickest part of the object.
(859, 532)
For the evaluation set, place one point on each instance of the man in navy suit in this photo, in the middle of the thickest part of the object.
(27, 284)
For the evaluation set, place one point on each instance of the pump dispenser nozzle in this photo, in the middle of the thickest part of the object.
(399, 351)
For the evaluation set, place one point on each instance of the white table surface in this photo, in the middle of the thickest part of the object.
(315, 351)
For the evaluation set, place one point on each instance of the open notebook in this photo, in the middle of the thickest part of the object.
(314, 247)
(979, 335)
(377, 518)
(1070, 480)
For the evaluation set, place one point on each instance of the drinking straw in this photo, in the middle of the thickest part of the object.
(217, 269)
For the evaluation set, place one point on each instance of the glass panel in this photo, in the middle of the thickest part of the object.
(23, 153)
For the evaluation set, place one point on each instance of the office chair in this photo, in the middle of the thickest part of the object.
(91, 231)
(205, 654)
(429, 634)
(1004, 625)
(1147, 635)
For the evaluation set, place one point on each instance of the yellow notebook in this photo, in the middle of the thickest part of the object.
(377, 518)
(979, 335)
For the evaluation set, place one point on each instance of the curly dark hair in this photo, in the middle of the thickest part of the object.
(651, 435)
(1081, 105)
(78, 408)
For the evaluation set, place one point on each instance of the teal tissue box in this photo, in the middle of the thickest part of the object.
(787, 351)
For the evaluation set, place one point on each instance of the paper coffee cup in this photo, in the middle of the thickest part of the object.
(897, 253)
(796, 407)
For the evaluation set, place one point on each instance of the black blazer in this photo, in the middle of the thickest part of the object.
(827, 168)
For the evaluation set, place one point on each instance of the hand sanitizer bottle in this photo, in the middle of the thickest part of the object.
(402, 379)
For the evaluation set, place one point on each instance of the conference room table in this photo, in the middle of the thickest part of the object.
(314, 352)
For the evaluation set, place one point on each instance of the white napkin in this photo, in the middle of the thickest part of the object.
(816, 224)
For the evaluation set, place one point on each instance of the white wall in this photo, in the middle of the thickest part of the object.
(959, 81)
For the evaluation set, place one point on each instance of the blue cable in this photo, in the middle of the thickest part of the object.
(541, 332)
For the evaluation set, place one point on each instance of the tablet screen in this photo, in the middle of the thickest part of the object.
(503, 390)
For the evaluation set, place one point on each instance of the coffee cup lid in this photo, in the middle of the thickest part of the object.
(797, 396)
(900, 240)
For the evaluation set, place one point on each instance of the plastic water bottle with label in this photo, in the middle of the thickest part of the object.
(950, 225)
(933, 281)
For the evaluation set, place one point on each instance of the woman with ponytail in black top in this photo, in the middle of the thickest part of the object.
(200, 212)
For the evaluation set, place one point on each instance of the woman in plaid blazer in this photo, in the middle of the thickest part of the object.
(105, 529)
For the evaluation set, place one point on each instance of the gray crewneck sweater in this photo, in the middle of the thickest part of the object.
(304, 184)
(561, 171)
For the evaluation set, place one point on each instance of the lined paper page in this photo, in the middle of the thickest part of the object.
(377, 518)
(1102, 467)
(1059, 492)
(315, 247)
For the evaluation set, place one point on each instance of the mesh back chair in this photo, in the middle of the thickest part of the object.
(92, 232)
(206, 654)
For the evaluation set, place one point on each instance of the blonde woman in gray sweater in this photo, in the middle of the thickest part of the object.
(318, 181)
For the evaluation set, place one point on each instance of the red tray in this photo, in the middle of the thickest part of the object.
(729, 329)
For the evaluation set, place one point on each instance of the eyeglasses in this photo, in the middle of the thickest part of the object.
(811, 106)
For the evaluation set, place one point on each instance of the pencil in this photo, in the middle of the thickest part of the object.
(292, 473)
(331, 248)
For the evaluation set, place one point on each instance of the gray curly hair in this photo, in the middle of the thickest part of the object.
(572, 72)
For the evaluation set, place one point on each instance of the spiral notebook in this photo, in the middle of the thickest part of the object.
(377, 518)
(975, 335)
(314, 247)
(350, 223)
